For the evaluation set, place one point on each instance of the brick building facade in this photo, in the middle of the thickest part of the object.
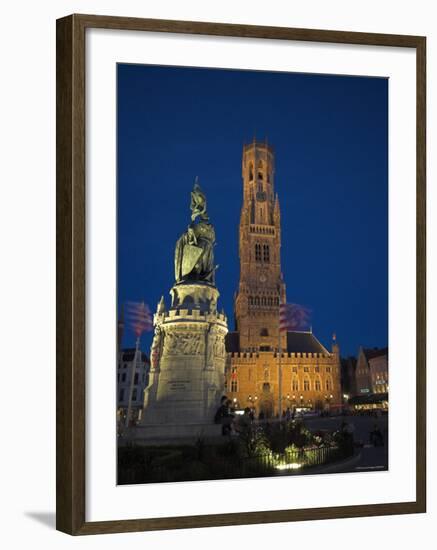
(310, 373)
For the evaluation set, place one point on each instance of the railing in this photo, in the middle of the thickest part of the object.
(231, 466)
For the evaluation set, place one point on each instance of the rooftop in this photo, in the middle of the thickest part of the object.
(304, 342)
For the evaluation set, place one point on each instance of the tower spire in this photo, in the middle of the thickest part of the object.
(261, 287)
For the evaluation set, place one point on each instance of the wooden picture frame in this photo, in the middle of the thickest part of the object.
(71, 247)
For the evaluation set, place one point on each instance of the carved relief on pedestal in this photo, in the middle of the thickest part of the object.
(219, 346)
(182, 343)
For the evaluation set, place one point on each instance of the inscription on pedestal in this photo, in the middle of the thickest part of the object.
(178, 385)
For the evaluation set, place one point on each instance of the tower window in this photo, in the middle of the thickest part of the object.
(251, 172)
(257, 252)
(266, 251)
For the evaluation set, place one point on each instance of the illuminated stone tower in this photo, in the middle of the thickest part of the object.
(261, 287)
(310, 374)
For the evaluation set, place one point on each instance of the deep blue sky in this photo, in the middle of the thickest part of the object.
(330, 137)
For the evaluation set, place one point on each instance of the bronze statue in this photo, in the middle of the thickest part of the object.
(194, 256)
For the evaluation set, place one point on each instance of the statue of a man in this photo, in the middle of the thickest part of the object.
(194, 256)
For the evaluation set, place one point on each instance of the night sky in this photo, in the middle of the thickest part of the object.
(330, 137)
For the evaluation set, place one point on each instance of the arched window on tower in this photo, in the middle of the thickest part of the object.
(266, 251)
(306, 384)
(257, 252)
(251, 172)
(260, 171)
(295, 384)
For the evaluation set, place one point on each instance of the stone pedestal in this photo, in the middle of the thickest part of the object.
(187, 366)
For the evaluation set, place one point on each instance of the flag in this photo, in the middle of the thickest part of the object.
(139, 317)
(293, 317)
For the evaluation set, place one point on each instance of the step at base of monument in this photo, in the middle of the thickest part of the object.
(158, 434)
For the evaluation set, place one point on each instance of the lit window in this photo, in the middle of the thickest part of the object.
(295, 385)
(318, 387)
(306, 385)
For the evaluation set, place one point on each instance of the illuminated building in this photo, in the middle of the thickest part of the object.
(310, 373)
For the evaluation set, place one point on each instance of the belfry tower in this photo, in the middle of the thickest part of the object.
(261, 287)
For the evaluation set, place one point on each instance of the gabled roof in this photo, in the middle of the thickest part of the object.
(304, 342)
(374, 352)
(128, 355)
(297, 342)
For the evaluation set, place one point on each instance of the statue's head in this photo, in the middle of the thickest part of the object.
(198, 202)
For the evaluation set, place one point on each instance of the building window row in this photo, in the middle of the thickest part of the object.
(308, 369)
(263, 301)
(307, 385)
(122, 394)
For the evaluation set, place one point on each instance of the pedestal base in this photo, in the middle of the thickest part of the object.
(172, 434)
(188, 357)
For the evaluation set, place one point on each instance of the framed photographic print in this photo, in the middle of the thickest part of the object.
(240, 274)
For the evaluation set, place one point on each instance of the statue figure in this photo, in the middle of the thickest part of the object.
(194, 255)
